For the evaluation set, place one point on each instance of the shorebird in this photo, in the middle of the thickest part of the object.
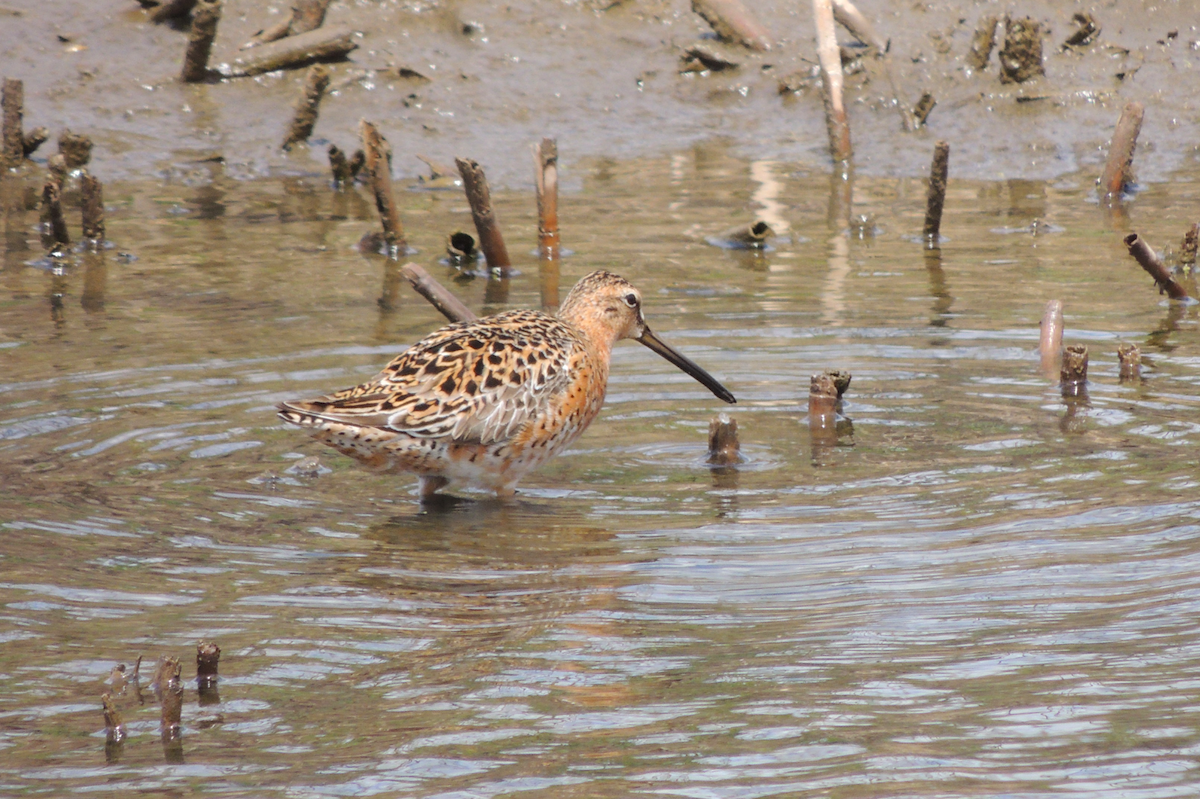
(482, 403)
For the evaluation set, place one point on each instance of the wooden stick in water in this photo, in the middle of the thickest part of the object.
(380, 174)
(1145, 256)
(723, 446)
(545, 172)
(1050, 344)
(438, 295)
(936, 198)
(93, 208)
(1118, 168)
(52, 213)
(490, 240)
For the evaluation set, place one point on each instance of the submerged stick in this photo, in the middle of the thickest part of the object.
(1118, 169)
(93, 208)
(545, 173)
(53, 215)
(13, 103)
(733, 22)
(490, 239)
(723, 446)
(831, 79)
(438, 295)
(171, 9)
(1129, 356)
(1050, 342)
(936, 198)
(322, 44)
(200, 39)
(1145, 256)
(380, 174)
(307, 106)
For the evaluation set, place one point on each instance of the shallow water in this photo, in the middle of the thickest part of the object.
(982, 588)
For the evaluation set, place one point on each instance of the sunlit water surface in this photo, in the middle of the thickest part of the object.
(980, 588)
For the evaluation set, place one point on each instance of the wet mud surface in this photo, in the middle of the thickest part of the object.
(485, 80)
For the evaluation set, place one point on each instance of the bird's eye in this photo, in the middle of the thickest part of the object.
(631, 300)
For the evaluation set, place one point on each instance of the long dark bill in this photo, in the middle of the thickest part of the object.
(665, 350)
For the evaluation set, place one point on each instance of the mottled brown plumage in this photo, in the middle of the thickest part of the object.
(484, 402)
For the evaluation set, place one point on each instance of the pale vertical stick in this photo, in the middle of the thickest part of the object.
(831, 78)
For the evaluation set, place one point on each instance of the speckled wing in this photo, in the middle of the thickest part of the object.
(473, 382)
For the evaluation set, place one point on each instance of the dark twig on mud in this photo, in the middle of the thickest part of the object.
(208, 656)
(200, 39)
(34, 139)
(322, 44)
(307, 106)
(982, 43)
(438, 295)
(490, 240)
(1050, 343)
(923, 109)
(76, 149)
(733, 22)
(171, 9)
(1118, 168)
(936, 199)
(831, 79)
(545, 173)
(345, 171)
(723, 446)
(380, 174)
(13, 103)
(307, 15)
(1145, 256)
(1074, 365)
(1021, 56)
(53, 215)
(1129, 356)
(93, 208)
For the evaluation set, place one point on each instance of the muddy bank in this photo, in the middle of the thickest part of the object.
(608, 79)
